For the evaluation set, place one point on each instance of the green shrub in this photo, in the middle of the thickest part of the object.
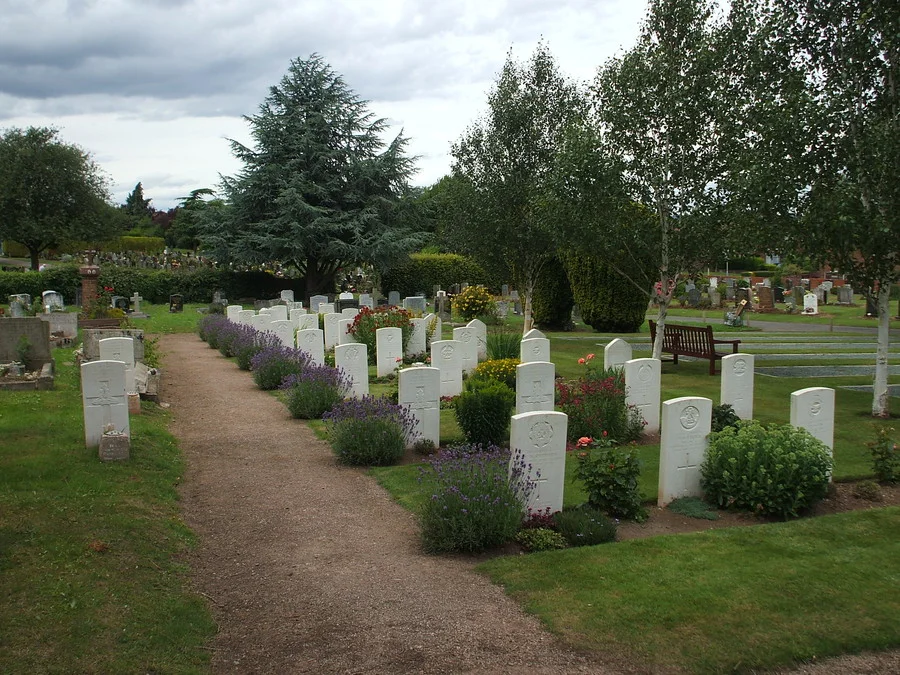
(501, 370)
(610, 476)
(885, 457)
(476, 503)
(369, 431)
(775, 471)
(483, 411)
(370, 320)
(723, 415)
(608, 302)
(274, 363)
(585, 526)
(552, 301)
(540, 539)
(424, 271)
(315, 391)
(472, 302)
(868, 490)
(503, 343)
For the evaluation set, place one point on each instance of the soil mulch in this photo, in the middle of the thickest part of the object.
(310, 567)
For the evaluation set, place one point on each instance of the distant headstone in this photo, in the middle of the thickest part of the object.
(682, 448)
(260, 322)
(312, 342)
(468, 348)
(104, 399)
(53, 301)
(287, 295)
(435, 326)
(347, 305)
(534, 349)
(813, 409)
(354, 361)
(729, 293)
(349, 312)
(479, 328)
(504, 291)
(642, 382)
(278, 313)
(416, 343)
(19, 304)
(446, 355)
(327, 308)
(315, 301)
(420, 392)
(176, 303)
(778, 294)
(295, 314)
(307, 321)
(120, 349)
(693, 297)
(388, 350)
(535, 386)
(394, 298)
(331, 329)
(538, 440)
(797, 293)
(845, 295)
(616, 354)
(346, 295)
(871, 305)
(766, 298)
(736, 388)
(244, 316)
(365, 300)
(810, 304)
(820, 294)
(345, 337)
(415, 305)
(232, 311)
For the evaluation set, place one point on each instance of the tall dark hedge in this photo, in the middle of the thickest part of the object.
(553, 301)
(423, 271)
(609, 303)
(195, 285)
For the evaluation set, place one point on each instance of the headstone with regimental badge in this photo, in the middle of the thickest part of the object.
(446, 356)
(420, 392)
(538, 439)
(737, 384)
(682, 449)
(642, 384)
(353, 359)
(388, 350)
(104, 399)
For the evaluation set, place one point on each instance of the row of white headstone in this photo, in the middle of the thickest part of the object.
(106, 385)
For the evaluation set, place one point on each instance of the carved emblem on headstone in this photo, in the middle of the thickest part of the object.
(541, 434)
(690, 416)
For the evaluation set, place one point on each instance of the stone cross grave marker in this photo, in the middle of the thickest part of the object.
(446, 356)
(345, 337)
(616, 354)
(469, 349)
(416, 343)
(312, 341)
(682, 449)
(353, 359)
(388, 350)
(420, 392)
(120, 349)
(315, 301)
(479, 329)
(642, 382)
(535, 386)
(736, 387)
(534, 349)
(331, 329)
(104, 400)
(813, 409)
(539, 439)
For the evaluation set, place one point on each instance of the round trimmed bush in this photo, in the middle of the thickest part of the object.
(483, 411)
(369, 431)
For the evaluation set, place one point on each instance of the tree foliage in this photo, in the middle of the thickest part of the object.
(319, 188)
(50, 192)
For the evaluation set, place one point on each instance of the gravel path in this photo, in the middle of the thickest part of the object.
(311, 568)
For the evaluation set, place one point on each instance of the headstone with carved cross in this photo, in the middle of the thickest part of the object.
(388, 350)
(420, 392)
(642, 383)
(446, 355)
(353, 359)
(535, 382)
(104, 400)
(686, 423)
(538, 440)
(737, 384)
(813, 409)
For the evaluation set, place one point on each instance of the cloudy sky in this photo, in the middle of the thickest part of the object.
(153, 88)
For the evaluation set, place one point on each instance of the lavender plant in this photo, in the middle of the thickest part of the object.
(273, 363)
(477, 501)
(251, 342)
(228, 334)
(209, 326)
(369, 431)
(314, 391)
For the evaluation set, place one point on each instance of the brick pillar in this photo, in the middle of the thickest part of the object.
(89, 285)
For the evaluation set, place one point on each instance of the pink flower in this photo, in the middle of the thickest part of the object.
(581, 361)
(584, 441)
(590, 356)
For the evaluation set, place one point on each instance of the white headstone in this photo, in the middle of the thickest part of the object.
(616, 353)
(447, 357)
(345, 296)
(437, 333)
(287, 295)
(535, 386)
(326, 308)
(349, 312)
(388, 350)
(539, 438)
(344, 336)
(284, 329)
(533, 333)
(104, 400)
(315, 301)
(353, 359)
(534, 349)
(231, 312)
(480, 329)
(416, 343)
(682, 449)
(420, 392)
(295, 314)
(469, 350)
(331, 329)
(642, 382)
(245, 316)
(278, 313)
(260, 322)
(312, 341)
(737, 384)
(365, 300)
(394, 298)
(813, 409)
(120, 349)
(307, 321)
(810, 304)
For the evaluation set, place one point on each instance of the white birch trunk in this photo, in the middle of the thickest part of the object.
(880, 407)
(528, 293)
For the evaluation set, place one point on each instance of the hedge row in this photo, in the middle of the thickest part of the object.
(553, 301)
(424, 271)
(608, 301)
(155, 286)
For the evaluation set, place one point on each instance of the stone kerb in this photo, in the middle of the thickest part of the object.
(312, 341)
(446, 356)
(353, 359)
(642, 383)
(538, 439)
(616, 354)
(420, 392)
(534, 350)
(736, 387)
(469, 350)
(388, 350)
(104, 400)
(535, 384)
(686, 424)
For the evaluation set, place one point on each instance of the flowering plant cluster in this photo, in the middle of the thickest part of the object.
(369, 431)
(251, 342)
(208, 328)
(369, 320)
(595, 404)
(885, 457)
(273, 363)
(477, 502)
(473, 301)
(502, 370)
(314, 391)
(610, 476)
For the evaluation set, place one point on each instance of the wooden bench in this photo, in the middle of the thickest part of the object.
(692, 341)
